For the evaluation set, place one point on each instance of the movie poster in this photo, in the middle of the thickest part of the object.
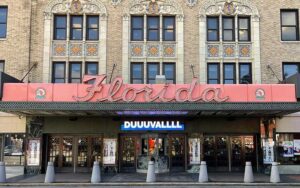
(296, 147)
(268, 151)
(194, 150)
(109, 151)
(33, 152)
(288, 150)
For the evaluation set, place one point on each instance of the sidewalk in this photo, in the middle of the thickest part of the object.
(140, 178)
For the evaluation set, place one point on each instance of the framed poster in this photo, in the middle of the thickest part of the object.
(194, 150)
(109, 151)
(268, 149)
(33, 152)
(296, 147)
(288, 150)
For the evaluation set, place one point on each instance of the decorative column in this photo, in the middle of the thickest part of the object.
(202, 48)
(125, 48)
(180, 49)
(47, 47)
(102, 45)
(256, 49)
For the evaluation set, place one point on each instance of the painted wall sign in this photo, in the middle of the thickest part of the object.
(152, 126)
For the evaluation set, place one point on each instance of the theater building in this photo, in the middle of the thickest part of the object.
(124, 81)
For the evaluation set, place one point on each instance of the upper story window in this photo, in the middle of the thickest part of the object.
(228, 29)
(3, 22)
(75, 72)
(169, 28)
(229, 73)
(137, 73)
(91, 68)
(289, 25)
(2, 65)
(153, 28)
(76, 28)
(290, 69)
(169, 70)
(59, 72)
(60, 27)
(92, 28)
(213, 73)
(229, 32)
(213, 28)
(152, 71)
(245, 73)
(244, 29)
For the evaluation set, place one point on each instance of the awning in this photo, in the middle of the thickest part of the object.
(228, 109)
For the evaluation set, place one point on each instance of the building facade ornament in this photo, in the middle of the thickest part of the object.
(191, 3)
(115, 2)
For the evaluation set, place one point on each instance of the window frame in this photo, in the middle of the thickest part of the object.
(233, 28)
(174, 70)
(234, 73)
(158, 70)
(72, 28)
(56, 28)
(3, 62)
(4, 23)
(53, 71)
(90, 63)
(248, 30)
(295, 26)
(250, 70)
(166, 29)
(142, 71)
(218, 78)
(218, 28)
(70, 72)
(289, 63)
(133, 28)
(91, 28)
(151, 29)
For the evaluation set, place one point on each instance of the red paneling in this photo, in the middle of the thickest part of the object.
(14, 92)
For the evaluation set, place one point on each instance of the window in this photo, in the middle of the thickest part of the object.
(60, 27)
(213, 73)
(75, 72)
(228, 29)
(137, 28)
(287, 147)
(245, 73)
(169, 28)
(58, 74)
(289, 25)
(212, 28)
(152, 71)
(92, 28)
(91, 68)
(1, 66)
(244, 28)
(76, 28)
(153, 28)
(3, 22)
(290, 69)
(229, 73)
(169, 72)
(137, 73)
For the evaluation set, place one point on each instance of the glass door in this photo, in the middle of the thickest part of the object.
(177, 152)
(128, 153)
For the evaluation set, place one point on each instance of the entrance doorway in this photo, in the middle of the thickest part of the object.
(74, 153)
(229, 153)
(167, 150)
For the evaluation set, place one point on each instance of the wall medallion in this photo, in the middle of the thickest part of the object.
(229, 8)
(76, 6)
(153, 7)
(115, 2)
(191, 3)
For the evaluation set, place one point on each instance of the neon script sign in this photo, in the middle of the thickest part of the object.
(118, 91)
(152, 126)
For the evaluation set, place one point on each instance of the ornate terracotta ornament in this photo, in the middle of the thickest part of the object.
(229, 8)
(115, 2)
(191, 3)
(76, 6)
(153, 7)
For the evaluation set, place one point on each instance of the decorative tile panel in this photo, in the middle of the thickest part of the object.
(76, 49)
(169, 50)
(91, 49)
(137, 50)
(153, 50)
(245, 50)
(213, 50)
(229, 50)
(59, 49)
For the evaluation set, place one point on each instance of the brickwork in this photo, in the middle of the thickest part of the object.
(15, 49)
